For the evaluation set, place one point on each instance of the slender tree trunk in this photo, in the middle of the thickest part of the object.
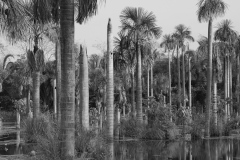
(67, 132)
(215, 98)
(225, 88)
(58, 79)
(237, 86)
(151, 70)
(209, 78)
(29, 112)
(54, 99)
(133, 96)
(183, 77)
(170, 84)
(179, 77)
(190, 85)
(110, 83)
(36, 94)
(228, 86)
(147, 87)
(139, 86)
(77, 113)
(84, 89)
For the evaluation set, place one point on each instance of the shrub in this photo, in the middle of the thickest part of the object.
(231, 125)
(131, 128)
(198, 125)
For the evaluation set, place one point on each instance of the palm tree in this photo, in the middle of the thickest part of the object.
(84, 88)
(182, 34)
(167, 43)
(237, 50)
(110, 86)
(207, 11)
(139, 24)
(228, 37)
(68, 80)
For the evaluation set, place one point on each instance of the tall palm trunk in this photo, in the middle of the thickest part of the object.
(67, 132)
(215, 98)
(147, 87)
(110, 89)
(209, 77)
(151, 85)
(237, 86)
(183, 77)
(179, 78)
(139, 85)
(29, 112)
(230, 86)
(170, 83)
(190, 85)
(84, 89)
(36, 94)
(36, 85)
(58, 79)
(54, 99)
(133, 95)
(225, 89)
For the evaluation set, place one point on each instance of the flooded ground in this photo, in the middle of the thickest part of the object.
(227, 148)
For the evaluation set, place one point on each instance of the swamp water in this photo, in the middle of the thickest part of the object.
(226, 148)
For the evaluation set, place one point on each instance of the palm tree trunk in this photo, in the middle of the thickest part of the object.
(151, 70)
(209, 77)
(215, 98)
(147, 87)
(54, 99)
(179, 78)
(84, 89)
(230, 86)
(190, 85)
(110, 83)
(29, 112)
(36, 94)
(133, 96)
(183, 77)
(58, 79)
(67, 131)
(139, 85)
(237, 86)
(225, 89)
(170, 83)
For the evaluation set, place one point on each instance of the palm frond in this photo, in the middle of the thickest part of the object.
(5, 59)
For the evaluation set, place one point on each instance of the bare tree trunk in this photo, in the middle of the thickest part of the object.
(228, 87)
(209, 78)
(54, 99)
(133, 96)
(58, 79)
(237, 85)
(179, 77)
(110, 83)
(84, 88)
(67, 131)
(190, 85)
(147, 87)
(183, 77)
(170, 84)
(151, 85)
(215, 98)
(139, 86)
(225, 89)
(36, 94)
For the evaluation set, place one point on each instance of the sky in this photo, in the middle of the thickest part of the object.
(169, 13)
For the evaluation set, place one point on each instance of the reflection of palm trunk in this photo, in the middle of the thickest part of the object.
(110, 149)
(184, 149)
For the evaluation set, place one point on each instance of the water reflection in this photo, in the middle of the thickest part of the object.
(213, 149)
